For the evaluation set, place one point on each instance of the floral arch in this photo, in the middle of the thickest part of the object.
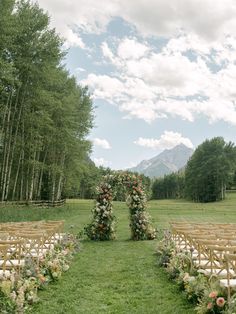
(103, 225)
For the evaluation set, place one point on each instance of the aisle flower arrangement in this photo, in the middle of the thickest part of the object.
(19, 291)
(103, 225)
(204, 292)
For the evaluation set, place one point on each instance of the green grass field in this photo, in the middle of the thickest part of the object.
(119, 276)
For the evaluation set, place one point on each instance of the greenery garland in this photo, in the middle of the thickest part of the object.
(103, 223)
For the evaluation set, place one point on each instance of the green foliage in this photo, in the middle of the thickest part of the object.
(165, 249)
(231, 309)
(169, 187)
(209, 170)
(6, 304)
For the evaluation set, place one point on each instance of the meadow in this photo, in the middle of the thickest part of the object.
(119, 276)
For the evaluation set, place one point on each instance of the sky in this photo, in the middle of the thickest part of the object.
(160, 72)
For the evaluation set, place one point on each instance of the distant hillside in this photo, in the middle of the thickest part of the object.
(170, 160)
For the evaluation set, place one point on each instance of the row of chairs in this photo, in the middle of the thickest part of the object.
(26, 240)
(212, 248)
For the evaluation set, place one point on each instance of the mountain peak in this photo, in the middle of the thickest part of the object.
(170, 160)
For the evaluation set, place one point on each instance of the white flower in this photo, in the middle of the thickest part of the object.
(66, 267)
(28, 272)
(191, 278)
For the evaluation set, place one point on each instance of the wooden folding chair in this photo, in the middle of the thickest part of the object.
(230, 282)
(13, 259)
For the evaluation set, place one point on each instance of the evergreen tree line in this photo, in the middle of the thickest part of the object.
(44, 115)
(208, 173)
(169, 187)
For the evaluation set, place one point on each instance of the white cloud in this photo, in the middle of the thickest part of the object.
(167, 140)
(194, 74)
(83, 15)
(105, 87)
(101, 162)
(72, 39)
(103, 143)
(79, 70)
(171, 83)
(131, 49)
(207, 18)
(107, 51)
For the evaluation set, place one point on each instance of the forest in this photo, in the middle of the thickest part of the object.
(208, 174)
(45, 115)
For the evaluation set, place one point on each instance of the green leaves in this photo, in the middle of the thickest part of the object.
(209, 170)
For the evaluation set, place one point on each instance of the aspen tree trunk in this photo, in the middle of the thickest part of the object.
(41, 177)
(6, 177)
(12, 155)
(2, 135)
(223, 188)
(2, 132)
(6, 166)
(32, 178)
(22, 163)
(6, 153)
(36, 176)
(16, 177)
(59, 187)
(58, 197)
(5, 112)
(27, 180)
(15, 138)
(53, 187)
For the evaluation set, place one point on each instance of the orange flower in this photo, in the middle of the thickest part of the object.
(220, 301)
(213, 294)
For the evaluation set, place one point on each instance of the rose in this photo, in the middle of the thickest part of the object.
(220, 301)
(213, 294)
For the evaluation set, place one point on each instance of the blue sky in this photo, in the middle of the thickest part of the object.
(160, 72)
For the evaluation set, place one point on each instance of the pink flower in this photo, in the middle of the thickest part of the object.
(209, 306)
(213, 294)
(220, 301)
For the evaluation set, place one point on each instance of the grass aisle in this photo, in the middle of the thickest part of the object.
(118, 277)
(114, 277)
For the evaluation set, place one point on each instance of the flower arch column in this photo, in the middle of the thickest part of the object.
(103, 224)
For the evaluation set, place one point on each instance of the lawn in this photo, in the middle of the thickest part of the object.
(119, 276)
